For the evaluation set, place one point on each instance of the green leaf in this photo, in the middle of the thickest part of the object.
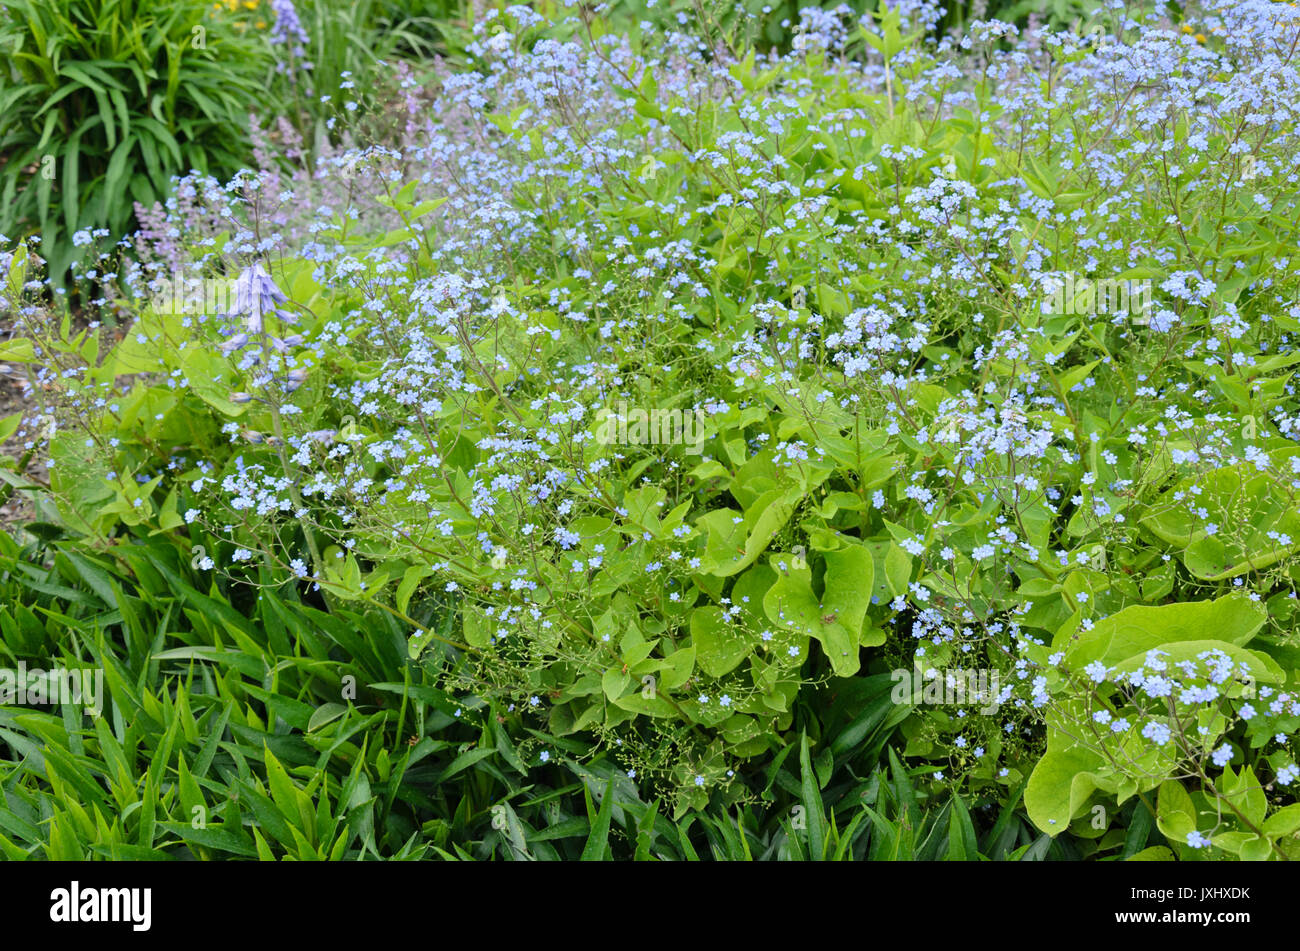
(719, 646)
(1175, 813)
(962, 844)
(324, 714)
(17, 350)
(283, 790)
(219, 838)
(1283, 822)
(1233, 618)
(411, 579)
(1157, 853)
(835, 619)
(597, 847)
(812, 803)
(1059, 786)
(1244, 792)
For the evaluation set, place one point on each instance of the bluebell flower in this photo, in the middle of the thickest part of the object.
(257, 296)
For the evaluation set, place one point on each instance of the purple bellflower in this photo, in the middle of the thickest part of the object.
(256, 296)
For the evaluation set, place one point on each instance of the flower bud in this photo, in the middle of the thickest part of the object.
(234, 343)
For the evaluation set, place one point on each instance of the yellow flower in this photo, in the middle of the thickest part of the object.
(260, 24)
(250, 4)
(1200, 37)
(1186, 28)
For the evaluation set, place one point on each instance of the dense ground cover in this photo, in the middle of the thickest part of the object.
(625, 438)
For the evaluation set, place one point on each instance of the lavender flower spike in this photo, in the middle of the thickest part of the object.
(288, 28)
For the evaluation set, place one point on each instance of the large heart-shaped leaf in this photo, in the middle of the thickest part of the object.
(836, 618)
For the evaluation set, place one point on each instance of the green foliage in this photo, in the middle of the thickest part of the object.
(237, 724)
(902, 444)
(102, 103)
(424, 24)
(349, 47)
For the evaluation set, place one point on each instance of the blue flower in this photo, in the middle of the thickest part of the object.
(1157, 733)
(256, 295)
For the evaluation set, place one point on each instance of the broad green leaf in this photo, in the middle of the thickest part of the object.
(1059, 786)
(1233, 618)
(836, 618)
